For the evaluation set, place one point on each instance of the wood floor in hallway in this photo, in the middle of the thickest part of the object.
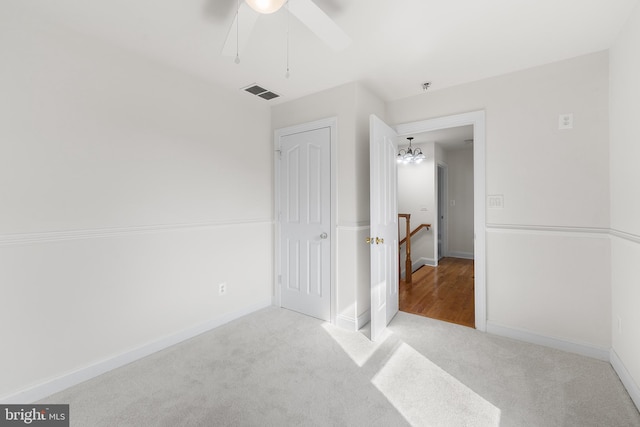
(444, 292)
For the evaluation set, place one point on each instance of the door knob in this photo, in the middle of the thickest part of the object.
(323, 236)
(369, 240)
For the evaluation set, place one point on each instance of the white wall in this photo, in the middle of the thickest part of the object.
(123, 204)
(351, 104)
(416, 192)
(551, 180)
(460, 191)
(625, 203)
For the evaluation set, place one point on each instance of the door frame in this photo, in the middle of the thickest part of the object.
(444, 185)
(278, 134)
(477, 119)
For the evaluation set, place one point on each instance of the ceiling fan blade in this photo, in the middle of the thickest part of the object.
(248, 19)
(319, 23)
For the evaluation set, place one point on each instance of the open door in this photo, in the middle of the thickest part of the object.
(384, 225)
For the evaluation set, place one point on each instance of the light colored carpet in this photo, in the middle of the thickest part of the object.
(279, 368)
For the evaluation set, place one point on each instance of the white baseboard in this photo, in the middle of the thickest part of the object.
(345, 322)
(464, 255)
(419, 263)
(425, 261)
(351, 324)
(625, 377)
(363, 319)
(55, 385)
(559, 344)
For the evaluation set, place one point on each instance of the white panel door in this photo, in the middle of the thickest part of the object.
(305, 210)
(384, 226)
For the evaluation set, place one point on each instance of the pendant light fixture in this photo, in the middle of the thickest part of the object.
(266, 6)
(410, 155)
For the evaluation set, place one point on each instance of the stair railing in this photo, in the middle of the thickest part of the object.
(408, 234)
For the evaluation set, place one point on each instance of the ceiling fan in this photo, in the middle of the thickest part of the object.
(305, 10)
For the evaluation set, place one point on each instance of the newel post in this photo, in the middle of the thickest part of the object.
(408, 265)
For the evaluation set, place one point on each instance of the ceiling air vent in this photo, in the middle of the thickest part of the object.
(261, 92)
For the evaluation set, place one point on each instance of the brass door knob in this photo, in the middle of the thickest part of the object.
(369, 240)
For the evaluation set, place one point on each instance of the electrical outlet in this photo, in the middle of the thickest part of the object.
(222, 288)
(565, 121)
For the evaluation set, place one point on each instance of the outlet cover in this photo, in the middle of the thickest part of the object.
(565, 121)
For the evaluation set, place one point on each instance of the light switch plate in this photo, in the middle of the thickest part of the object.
(495, 201)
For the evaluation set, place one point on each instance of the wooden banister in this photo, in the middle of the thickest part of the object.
(418, 228)
(408, 263)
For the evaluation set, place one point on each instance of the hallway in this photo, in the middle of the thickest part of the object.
(444, 292)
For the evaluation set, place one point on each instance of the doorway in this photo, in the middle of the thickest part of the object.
(442, 197)
(477, 120)
(442, 285)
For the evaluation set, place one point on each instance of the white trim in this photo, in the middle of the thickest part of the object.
(428, 261)
(55, 236)
(55, 385)
(332, 124)
(353, 227)
(463, 255)
(477, 119)
(445, 211)
(351, 324)
(563, 230)
(626, 236)
(363, 319)
(552, 230)
(345, 322)
(419, 263)
(552, 342)
(625, 377)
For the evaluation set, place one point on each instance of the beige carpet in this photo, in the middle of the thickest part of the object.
(279, 368)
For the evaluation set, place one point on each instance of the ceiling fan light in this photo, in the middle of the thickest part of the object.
(266, 6)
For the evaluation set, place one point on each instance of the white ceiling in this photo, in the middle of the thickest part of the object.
(397, 45)
(449, 139)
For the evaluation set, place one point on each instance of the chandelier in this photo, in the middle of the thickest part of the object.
(410, 155)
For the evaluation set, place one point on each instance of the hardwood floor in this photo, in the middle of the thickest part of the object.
(444, 292)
